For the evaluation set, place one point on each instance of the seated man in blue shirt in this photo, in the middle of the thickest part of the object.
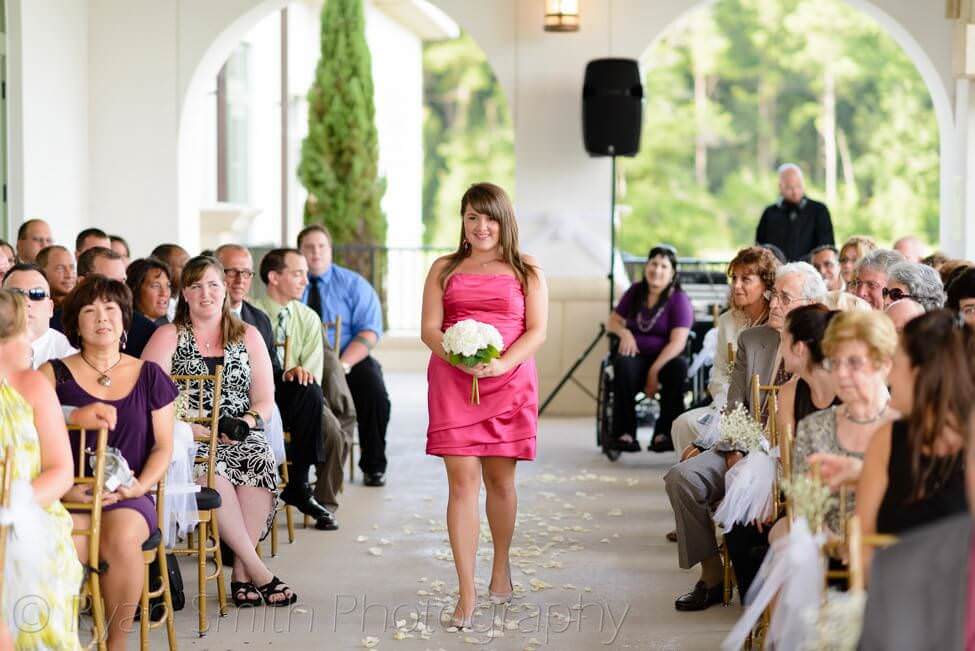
(335, 291)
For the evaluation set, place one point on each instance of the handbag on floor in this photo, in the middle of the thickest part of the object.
(175, 588)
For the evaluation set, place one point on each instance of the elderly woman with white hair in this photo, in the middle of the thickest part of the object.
(872, 275)
(697, 483)
(916, 281)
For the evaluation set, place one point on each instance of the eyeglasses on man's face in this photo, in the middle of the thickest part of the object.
(870, 285)
(246, 274)
(783, 299)
(895, 294)
(32, 294)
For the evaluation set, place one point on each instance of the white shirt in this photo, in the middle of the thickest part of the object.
(50, 345)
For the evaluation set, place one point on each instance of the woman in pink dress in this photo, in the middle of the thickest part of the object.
(489, 280)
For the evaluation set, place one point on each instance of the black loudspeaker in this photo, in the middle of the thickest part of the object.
(612, 107)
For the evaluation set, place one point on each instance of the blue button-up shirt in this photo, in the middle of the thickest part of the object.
(347, 294)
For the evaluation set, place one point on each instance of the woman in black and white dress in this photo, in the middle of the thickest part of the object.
(205, 334)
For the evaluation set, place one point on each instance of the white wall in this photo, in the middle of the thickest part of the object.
(48, 114)
(397, 69)
(133, 120)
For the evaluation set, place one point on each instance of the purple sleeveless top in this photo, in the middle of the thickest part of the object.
(133, 434)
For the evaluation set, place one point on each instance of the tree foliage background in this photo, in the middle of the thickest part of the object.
(737, 89)
(733, 91)
(340, 155)
(467, 133)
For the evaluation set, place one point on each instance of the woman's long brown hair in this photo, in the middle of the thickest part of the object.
(491, 200)
(939, 347)
(231, 328)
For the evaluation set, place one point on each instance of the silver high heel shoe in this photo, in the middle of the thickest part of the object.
(498, 598)
(461, 623)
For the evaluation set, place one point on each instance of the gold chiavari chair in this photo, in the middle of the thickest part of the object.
(208, 499)
(336, 327)
(858, 541)
(154, 549)
(772, 405)
(283, 475)
(8, 464)
(95, 478)
(728, 576)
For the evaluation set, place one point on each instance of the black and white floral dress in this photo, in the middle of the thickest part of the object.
(250, 462)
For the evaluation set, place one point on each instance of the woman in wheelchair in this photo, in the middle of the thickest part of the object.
(652, 320)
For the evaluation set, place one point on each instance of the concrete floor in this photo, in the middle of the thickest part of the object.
(590, 539)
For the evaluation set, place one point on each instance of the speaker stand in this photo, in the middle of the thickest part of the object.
(612, 295)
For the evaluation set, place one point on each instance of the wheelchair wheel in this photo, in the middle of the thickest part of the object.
(604, 411)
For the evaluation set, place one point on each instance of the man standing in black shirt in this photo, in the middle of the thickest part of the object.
(795, 223)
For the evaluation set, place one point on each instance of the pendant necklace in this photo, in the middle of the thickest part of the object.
(103, 378)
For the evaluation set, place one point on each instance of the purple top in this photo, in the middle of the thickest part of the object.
(133, 434)
(652, 329)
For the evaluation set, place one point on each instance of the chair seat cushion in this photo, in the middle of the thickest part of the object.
(207, 499)
(152, 541)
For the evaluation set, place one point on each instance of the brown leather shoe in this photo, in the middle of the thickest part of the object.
(700, 598)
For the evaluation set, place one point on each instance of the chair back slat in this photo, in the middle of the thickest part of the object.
(96, 480)
(211, 420)
(335, 325)
(785, 456)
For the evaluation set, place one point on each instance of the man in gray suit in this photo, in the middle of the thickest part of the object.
(696, 484)
(919, 588)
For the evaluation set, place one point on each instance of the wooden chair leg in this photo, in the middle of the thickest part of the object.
(274, 535)
(289, 519)
(144, 610)
(728, 581)
(97, 612)
(167, 596)
(218, 574)
(201, 576)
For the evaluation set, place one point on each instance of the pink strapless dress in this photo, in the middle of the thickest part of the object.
(505, 422)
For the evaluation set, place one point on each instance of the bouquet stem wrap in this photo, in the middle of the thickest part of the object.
(471, 343)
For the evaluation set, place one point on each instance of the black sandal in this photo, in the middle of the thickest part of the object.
(277, 587)
(239, 591)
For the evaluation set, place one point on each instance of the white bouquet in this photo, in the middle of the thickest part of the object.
(470, 343)
(837, 623)
(739, 431)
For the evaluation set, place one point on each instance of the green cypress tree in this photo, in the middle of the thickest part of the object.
(340, 154)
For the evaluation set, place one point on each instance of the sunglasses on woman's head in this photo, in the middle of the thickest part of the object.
(895, 294)
(33, 294)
